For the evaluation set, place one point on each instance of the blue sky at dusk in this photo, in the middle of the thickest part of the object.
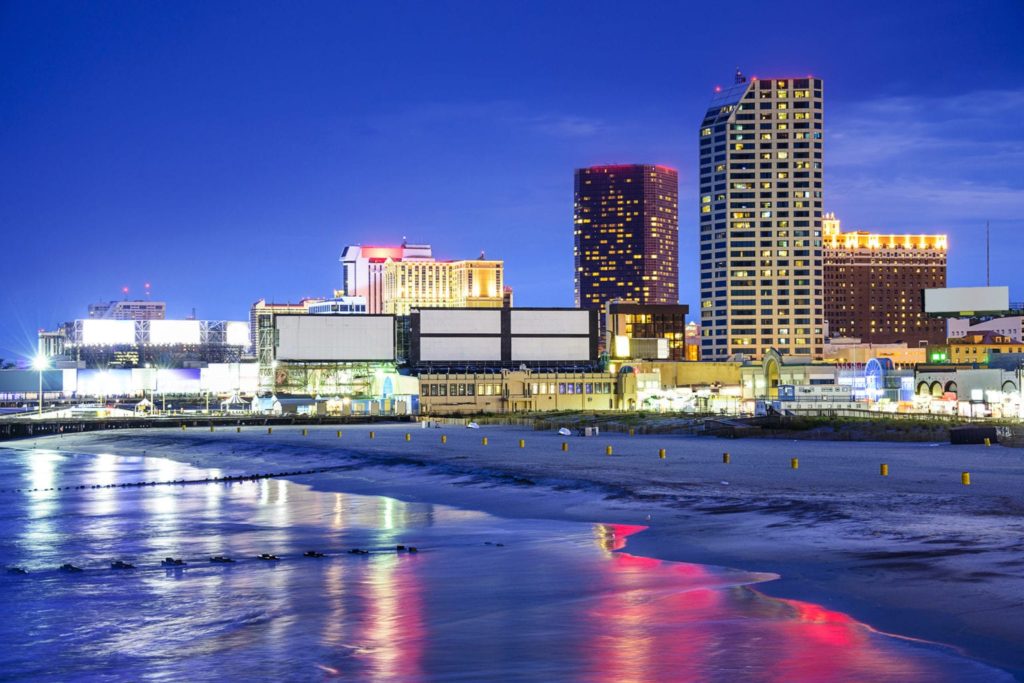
(228, 151)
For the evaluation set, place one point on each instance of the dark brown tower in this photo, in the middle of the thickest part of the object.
(626, 235)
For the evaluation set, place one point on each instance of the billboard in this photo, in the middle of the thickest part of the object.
(964, 302)
(460, 321)
(550, 349)
(485, 348)
(168, 332)
(108, 332)
(237, 334)
(116, 382)
(335, 338)
(565, 321)
(178, 381)
(504, 336)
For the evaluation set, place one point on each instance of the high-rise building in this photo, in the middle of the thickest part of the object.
(136, 309)
(626, 235)
(874, 285)
(363, 269)
(442, 284)
(760, 219)
(395, 280)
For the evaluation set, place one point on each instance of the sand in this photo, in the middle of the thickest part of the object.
(916, 553)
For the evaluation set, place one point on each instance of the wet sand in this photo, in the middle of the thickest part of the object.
(915, 553)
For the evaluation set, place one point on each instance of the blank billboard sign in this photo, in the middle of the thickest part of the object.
(238, 334)
(571, 321)
(335, 337)
(966, 301)
(554, 349)
(174, 332)
(460, 321)
(108, 332)
(503, 337)
(458, 349)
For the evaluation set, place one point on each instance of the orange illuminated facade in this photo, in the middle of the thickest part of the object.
(874, 284)
(395, 280)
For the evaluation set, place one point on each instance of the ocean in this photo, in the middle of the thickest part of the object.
(482, 599)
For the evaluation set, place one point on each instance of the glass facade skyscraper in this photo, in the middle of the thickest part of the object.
(761, 285)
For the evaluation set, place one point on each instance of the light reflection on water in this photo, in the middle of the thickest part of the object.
(558, 602)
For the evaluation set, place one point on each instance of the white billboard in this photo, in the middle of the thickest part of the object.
(551, 348)
(174, 332)
(335, 337)
(108, 332)
(238, 334)
(966, 301)
(460, 349)
(566, 321)
(459, 321)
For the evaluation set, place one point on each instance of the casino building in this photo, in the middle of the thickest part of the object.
(626, 235)
(395, 280)
(874, 285)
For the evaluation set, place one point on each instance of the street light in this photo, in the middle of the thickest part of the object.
(40, 362)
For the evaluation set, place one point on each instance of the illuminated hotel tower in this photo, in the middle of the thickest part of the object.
(760, 219)
(874, 285)
(626, 235)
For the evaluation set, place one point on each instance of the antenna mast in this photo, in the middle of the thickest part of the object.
(988, 257)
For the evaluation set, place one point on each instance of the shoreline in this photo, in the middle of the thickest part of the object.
(836, 537)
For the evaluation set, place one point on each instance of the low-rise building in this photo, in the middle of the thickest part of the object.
(761, 380)
(977, 348)
(523, 391)
(1011, 327)
(645, 331)
(852, 351)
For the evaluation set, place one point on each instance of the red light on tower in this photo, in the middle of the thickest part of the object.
(718, 88)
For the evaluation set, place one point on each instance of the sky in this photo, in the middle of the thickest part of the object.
(228, 151)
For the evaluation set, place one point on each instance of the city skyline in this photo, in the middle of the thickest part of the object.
(253, 147)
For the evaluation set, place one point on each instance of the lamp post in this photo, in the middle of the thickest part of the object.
(40, 363)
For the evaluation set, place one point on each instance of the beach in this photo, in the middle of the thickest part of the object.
(916, 553)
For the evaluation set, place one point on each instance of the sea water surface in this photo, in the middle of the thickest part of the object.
(484, 598)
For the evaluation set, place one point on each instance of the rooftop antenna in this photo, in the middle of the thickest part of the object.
(740, 78)
(988, 257)
(147, 290)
